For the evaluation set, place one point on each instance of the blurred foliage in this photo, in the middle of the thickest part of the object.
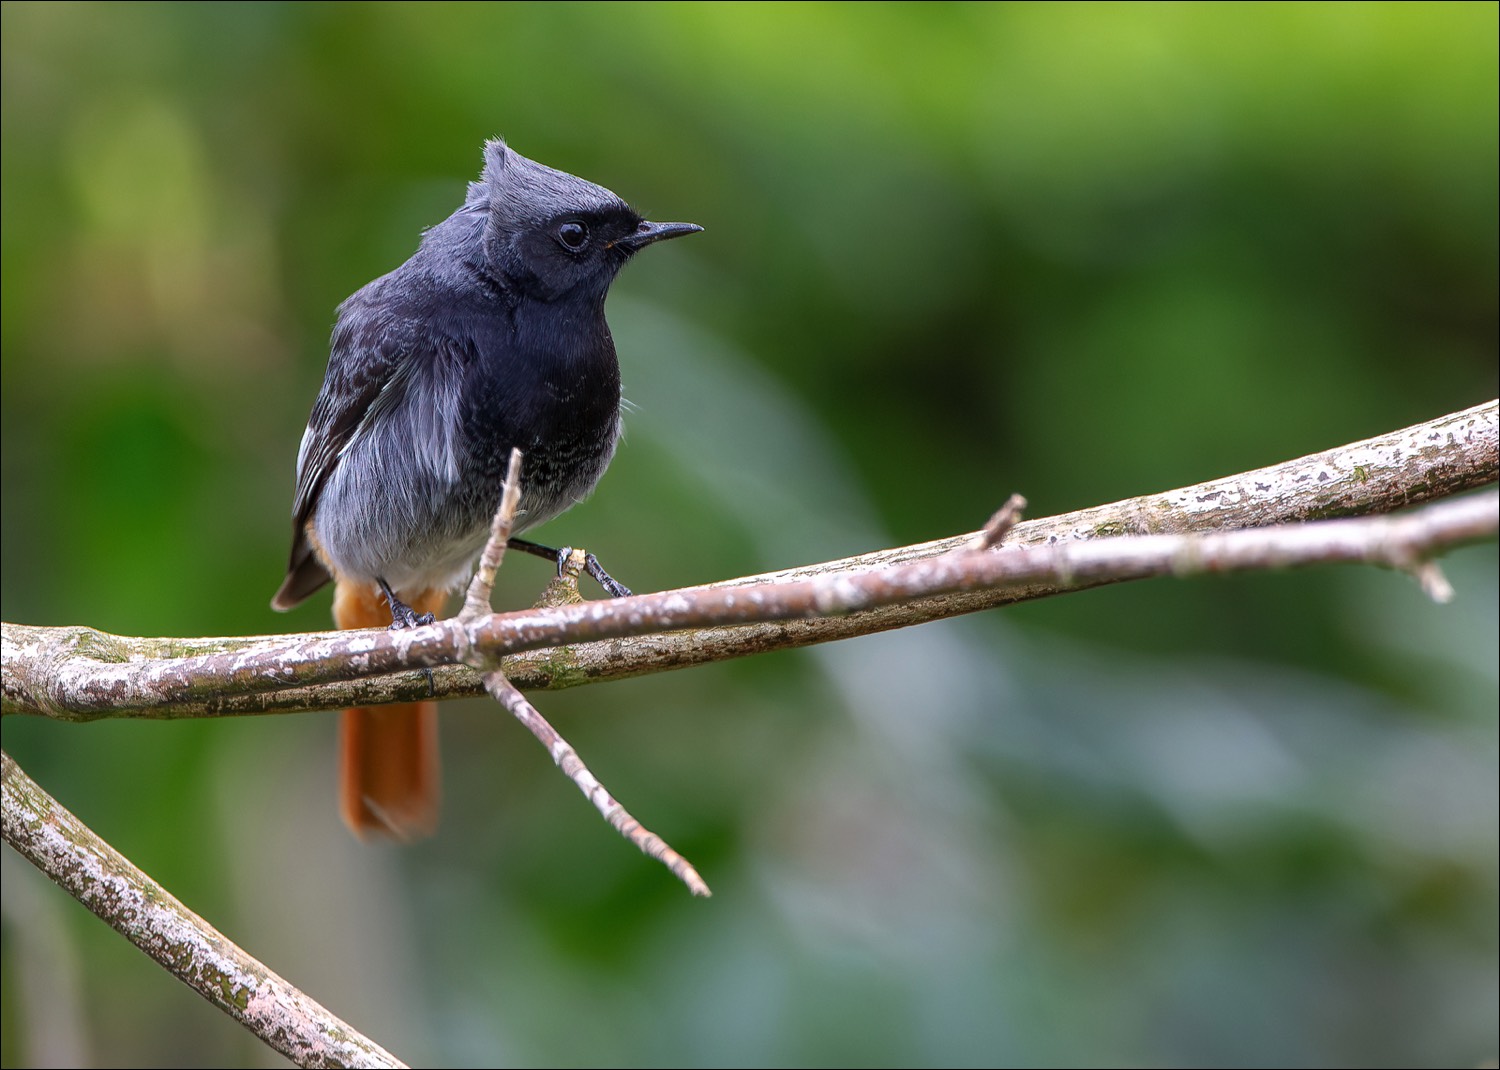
(1080, 251)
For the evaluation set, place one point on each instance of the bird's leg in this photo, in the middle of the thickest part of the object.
(402, 615)
(591, 565)
(612, 587)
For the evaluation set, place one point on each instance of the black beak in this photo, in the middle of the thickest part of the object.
(647, 233)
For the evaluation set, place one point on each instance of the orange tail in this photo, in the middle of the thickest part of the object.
(389, 768)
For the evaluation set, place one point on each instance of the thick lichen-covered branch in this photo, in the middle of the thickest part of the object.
(81, 674)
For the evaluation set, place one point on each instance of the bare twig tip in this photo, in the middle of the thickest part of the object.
(1005, 518)
(1434, 584)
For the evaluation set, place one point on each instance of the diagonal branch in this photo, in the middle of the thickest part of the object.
(106, 882)
(567, 759)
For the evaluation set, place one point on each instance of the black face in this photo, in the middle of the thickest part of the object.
(575, 251)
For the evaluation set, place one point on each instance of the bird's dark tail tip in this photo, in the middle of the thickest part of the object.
(305, 577)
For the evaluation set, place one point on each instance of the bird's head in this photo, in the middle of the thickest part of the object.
(550, 234)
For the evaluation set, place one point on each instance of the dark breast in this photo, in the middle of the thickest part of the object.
(553, 394)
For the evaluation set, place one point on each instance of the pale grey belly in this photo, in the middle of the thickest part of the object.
(397, 515)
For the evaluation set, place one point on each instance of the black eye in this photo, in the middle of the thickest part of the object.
(573, 235)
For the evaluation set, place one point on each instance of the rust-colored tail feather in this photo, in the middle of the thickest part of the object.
(389, 768)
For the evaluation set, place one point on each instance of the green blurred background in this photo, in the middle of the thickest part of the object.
(1082, 252)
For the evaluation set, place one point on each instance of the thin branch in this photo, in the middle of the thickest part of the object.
(47, 675)
(105, 882)
(569, 762)
(477, 598)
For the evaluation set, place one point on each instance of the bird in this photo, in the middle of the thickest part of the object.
(490, 336)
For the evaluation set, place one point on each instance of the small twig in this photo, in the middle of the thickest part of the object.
(477, 607)
(994, 532)
(146, 914)
(477, 598)
(1434, 584)
(572, 765)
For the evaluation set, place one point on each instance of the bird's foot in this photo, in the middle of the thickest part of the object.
(402, 615)
(612, 587)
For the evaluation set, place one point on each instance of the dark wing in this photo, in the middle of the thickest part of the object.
(368, 370)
